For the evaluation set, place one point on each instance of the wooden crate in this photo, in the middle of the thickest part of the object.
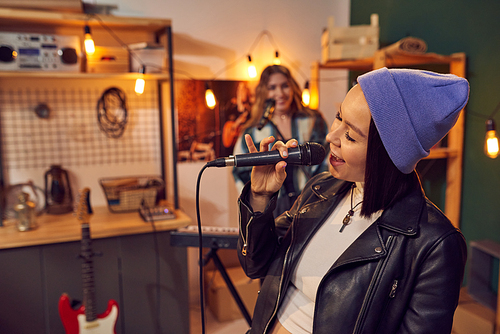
(354, 42)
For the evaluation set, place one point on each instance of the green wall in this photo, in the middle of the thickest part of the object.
(447, 27)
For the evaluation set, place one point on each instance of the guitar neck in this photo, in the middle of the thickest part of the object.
(88, 274)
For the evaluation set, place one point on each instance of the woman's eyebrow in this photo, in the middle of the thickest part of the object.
(356, 129)
(352, 126)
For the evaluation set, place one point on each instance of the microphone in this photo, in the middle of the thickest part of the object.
(307, 154)
(268, 113)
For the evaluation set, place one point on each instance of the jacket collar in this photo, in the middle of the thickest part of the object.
(403, 217)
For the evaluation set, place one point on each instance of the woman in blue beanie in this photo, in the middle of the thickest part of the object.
(362, 250)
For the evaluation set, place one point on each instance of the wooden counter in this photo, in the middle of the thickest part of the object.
(103, 224)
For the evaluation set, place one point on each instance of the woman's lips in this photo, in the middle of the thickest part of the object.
(335, 160)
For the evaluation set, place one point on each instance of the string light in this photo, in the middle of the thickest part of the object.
(209, 97)
(252, 71)
(491, 141)
(306, 95)
(140, 84)
(276, 60)
(89, 42)
(491, 146)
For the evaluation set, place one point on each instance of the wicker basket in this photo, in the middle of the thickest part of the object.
(126, 194)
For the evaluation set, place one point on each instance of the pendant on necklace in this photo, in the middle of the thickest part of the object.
(347, 220)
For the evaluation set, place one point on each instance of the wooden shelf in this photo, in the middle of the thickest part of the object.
(395, 60)
(442, 153)
(16, 18)
(82, 75)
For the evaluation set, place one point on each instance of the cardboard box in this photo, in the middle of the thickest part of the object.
(108, 60)
(219, 298)
(471, 317)
(153, 56)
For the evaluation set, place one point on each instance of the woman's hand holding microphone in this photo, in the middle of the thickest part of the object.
(267, 179)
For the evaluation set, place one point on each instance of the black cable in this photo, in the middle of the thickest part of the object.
(112, 114)
(200, 249)
(157, 263)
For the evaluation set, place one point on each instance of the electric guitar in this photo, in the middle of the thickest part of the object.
(84, 320)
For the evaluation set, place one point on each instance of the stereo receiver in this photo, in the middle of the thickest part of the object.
(39, 52)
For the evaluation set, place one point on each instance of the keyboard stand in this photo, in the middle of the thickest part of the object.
(212, 255)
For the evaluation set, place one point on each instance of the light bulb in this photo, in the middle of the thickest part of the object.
(139, 82)
(89, 42)
(491, 141)
(306, 95)
(252, 71)
(139, 86)
(276, 60)
(209, 97)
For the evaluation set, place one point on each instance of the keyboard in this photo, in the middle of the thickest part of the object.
(212, 237)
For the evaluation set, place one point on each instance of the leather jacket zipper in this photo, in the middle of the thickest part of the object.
(362, 313)
(392, 294)
(279, 290)
(245, 245)
(282, 277)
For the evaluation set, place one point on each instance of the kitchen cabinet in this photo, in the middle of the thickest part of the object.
(453, 151)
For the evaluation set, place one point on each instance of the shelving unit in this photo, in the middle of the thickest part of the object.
(138, 266)
(108, 31)
(453, 152)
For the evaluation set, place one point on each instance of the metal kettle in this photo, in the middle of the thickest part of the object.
(58, 195)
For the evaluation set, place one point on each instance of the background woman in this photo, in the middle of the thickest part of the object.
(290, 119)
(362, 250)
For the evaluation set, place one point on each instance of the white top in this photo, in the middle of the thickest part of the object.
(326, 246)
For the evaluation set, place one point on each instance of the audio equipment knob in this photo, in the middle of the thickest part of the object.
(68, 56)
(7, 54)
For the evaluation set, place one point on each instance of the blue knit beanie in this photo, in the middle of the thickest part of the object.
(413, 110)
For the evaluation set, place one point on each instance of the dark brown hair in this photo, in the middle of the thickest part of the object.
(385, 184)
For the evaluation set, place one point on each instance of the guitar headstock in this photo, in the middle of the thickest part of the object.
(82, 209)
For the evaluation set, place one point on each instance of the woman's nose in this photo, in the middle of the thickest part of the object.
(278, 92)
(333, 136)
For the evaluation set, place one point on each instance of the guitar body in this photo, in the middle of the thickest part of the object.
(74, 321)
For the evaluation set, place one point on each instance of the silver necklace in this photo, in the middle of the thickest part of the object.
(347, 219)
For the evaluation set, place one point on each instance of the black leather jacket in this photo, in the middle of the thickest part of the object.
(402, 275)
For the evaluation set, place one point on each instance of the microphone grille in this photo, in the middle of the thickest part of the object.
(316, 152)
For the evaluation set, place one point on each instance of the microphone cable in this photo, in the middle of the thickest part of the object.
(200, 249)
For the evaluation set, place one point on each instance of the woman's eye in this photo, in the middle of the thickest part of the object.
(338, 116)
(348, 137)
